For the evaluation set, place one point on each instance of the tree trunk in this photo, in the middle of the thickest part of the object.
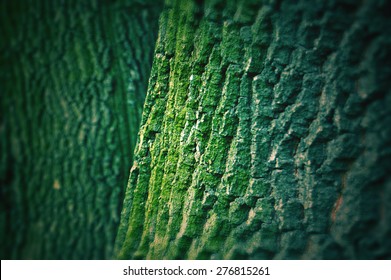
(265, 134)
(73, 80)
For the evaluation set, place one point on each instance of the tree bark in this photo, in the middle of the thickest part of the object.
(73, 80)
(265, 134)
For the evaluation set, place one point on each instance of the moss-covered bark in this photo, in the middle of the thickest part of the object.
(73, 76)
(265, 134)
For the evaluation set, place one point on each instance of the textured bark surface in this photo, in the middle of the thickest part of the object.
(73, 80)
(265, 134)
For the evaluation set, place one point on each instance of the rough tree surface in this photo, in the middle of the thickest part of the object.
(265, 134)
(73, 80)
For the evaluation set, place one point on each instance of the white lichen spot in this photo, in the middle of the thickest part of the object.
(251, 216)
(197, 154)
(248, 64)
(319, 130)
(279, 206)
(56, 185)
(273, 155)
